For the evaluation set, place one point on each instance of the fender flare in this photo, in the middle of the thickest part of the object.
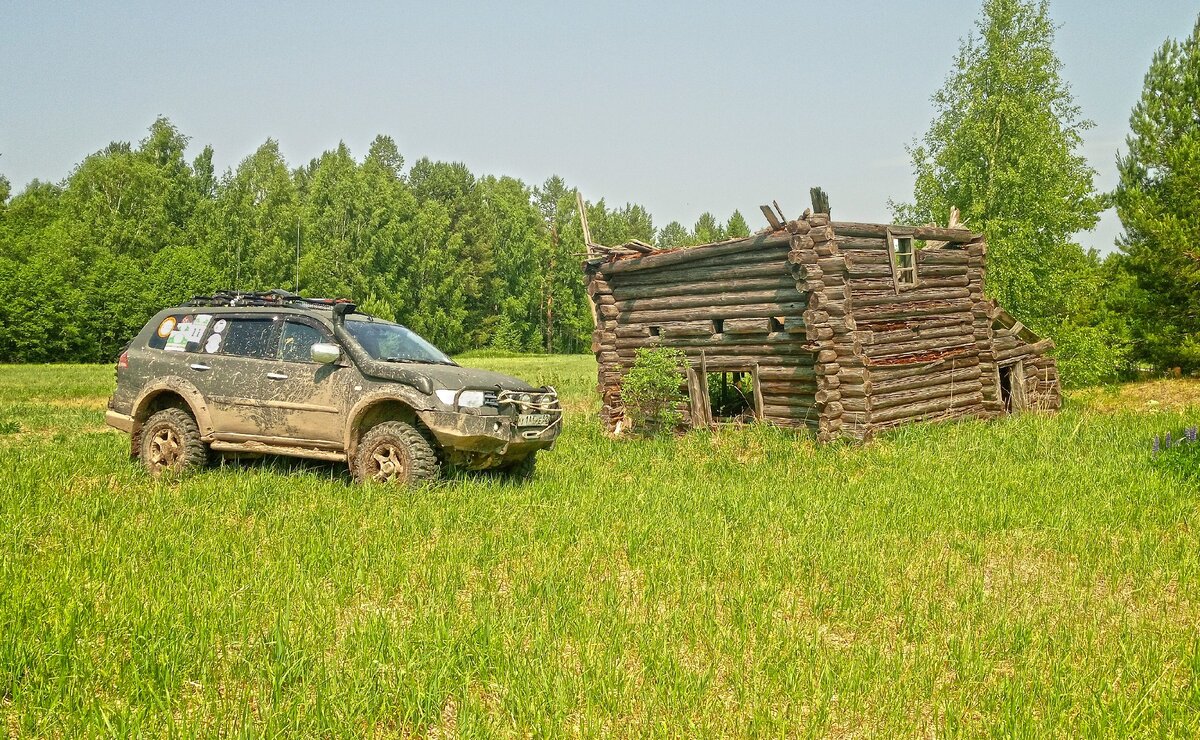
(405, 395)
(190, 394)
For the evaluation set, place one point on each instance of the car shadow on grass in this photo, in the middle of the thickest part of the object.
(285, 465)
(339, 472)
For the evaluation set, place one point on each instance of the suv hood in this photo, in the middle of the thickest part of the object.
(456, 378)
(426, 377)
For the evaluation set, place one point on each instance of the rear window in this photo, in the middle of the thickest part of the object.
(180, 332)
(250, 338)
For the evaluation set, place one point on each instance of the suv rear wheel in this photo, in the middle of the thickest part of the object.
(395, 452)
(171, 443)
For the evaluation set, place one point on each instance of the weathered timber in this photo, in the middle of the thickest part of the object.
(687, 254)
(781, 295)
(703, 338)
(920, 308)
(1026, 349)
(865, 299)
(927, 408)
(796, 400)
(916, 346)
(947, 377)
(893, 399)
(850, 242)
(737, 272)
(864, 285)
(777, 255)
(942, 257)
(706, 287)
(816, 314)
(880, 231)
(743, 311)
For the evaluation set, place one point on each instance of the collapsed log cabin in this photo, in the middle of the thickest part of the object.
(844, 328)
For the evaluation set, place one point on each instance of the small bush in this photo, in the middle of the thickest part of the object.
(1179, 453)
(9, 426)
(651, 390)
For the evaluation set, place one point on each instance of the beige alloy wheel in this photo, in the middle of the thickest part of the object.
(397, 453)
(171, 443)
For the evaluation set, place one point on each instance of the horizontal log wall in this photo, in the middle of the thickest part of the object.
(815, 307)
(680, 298)
(919, 345)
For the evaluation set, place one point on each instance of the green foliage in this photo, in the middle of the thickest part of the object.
(707, 229)
(737, 226)
(1158, 200)
(1004, 149)
(469, 262)
(651, 390)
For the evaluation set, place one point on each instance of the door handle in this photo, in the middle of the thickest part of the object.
(199, 366)
(277, 376)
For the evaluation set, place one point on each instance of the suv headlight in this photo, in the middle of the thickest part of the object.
(466, 399)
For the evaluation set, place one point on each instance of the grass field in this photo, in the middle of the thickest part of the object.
(1034, 576)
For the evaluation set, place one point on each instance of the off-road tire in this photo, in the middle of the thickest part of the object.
(395, 452)
(520, 471)
(170, 443)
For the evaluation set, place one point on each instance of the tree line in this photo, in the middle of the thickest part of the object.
(467, 261)
(482, 261)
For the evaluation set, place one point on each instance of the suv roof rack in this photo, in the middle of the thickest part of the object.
(266, 298)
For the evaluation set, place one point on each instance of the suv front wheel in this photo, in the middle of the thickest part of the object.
(395, 452)
(171, 443)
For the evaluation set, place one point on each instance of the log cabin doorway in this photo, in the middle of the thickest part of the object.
(1012, 386)
(724, 395)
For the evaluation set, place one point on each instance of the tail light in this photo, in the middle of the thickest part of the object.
(123, 361)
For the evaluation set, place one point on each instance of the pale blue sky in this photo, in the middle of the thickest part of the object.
(680, 107)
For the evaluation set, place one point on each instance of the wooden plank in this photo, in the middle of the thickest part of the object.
(879, 231)
(687, 254)
(772, 219)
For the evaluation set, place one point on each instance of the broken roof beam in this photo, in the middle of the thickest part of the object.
(772, 219)
(640, 246)
(680, 256)
(880, 231)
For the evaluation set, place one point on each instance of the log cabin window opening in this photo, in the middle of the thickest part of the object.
(718, 326)
(777, 324)
(656, 331)
(733, 396)
(903, 257)
(1011, 381)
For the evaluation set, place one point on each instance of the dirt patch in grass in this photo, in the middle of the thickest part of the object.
(1152, 395)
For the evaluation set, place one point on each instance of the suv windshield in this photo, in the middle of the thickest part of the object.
(390, 342)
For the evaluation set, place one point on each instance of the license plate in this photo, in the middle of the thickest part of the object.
(533, 420)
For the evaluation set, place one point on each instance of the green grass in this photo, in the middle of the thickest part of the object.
(1035, 576)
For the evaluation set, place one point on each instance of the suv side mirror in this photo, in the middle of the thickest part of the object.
(325, 353)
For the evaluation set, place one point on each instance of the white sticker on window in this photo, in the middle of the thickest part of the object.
(219, 326)
(213, 344)
(196, 328)
(177, 342)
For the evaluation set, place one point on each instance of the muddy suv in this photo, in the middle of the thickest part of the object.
(275, 373)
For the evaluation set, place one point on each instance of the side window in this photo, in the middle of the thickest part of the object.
(903, 259)
(250, 338)
(180, 332)
(297, 341)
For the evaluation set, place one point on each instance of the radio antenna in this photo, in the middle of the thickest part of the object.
(297, 289)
